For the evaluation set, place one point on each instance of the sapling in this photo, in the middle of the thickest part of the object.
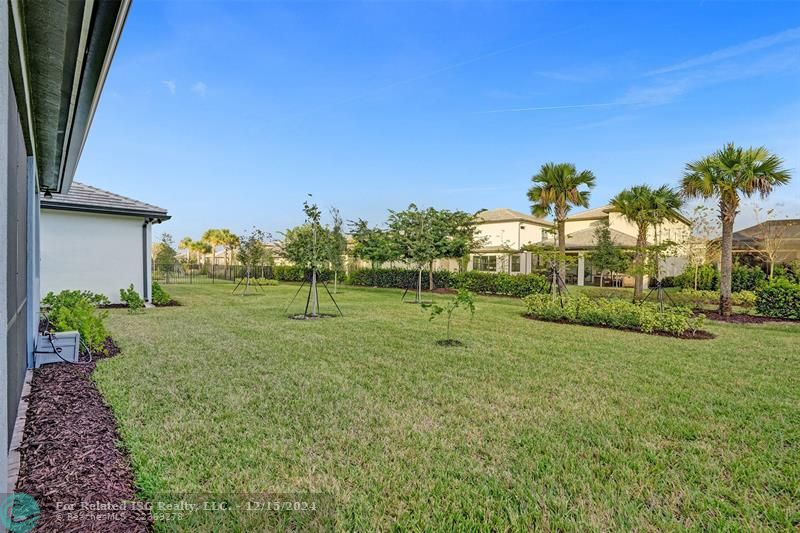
(463, 300)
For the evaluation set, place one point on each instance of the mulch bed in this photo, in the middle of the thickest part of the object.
(70, 455)
(697, 335)
(743, 319)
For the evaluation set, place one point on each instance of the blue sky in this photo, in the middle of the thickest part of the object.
(228, 114)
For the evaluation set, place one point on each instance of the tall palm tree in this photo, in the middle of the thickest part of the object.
(186, 244)
(557, 188)
(647, 208)
(727, 174)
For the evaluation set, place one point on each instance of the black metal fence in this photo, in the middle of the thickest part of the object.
(209, 272)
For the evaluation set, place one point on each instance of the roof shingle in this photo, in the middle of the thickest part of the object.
(85, 198)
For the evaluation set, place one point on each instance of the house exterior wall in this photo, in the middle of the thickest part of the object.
(95, 252)
(514, 234)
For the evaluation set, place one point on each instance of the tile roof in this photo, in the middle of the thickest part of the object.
(590, 214)
(85, 198)
(509, 215)
(585, 239)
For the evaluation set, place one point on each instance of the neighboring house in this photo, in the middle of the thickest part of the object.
(580, 229)
(777, 238)
(55, 58)
(96, 240)
(507, 232)
(503, 234)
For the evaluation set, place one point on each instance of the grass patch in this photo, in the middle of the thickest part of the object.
(528, 424)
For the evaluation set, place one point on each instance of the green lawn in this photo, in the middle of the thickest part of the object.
(529, 424)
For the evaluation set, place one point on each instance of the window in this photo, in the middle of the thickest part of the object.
(515, 263)
(484, 263)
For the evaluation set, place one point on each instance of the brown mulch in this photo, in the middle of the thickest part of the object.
(697, 335)
(70, 456)
(743, 319)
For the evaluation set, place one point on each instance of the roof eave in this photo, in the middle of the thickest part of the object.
(160, 215)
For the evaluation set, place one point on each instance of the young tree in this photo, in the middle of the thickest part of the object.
(252, 253)
(372, 244)
(727, 174)
(337, 247)
(414, 239)
(646, 208)
(464, 299)
(557, 188)
(453, 235)
(309, 246)
(703, 246)
(769, 236)
(165, 252)
(607, 256)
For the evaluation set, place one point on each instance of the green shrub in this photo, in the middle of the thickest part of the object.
(298, 273)
(745, 278)
(707, 278)
(501, 283)
(132, 298)
(699, 298)
(77, 311)
(268, 281)
(160, 296)
(398, 278)
(614, 313)
(780, 298)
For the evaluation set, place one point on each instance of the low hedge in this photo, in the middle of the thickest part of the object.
(698, 298)
(398, 278)
(501, 283)
(615, 313)
(779, 298)
(477, 282)
(298, 273)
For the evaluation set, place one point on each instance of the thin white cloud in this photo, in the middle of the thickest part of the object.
(785, 36)
(171, 86)
(551, 107)
(199, 88)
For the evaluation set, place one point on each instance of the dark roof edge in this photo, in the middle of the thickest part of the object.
(56, 206)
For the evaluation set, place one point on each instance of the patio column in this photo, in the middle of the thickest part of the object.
(581, 266)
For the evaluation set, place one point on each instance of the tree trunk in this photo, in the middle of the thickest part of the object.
(771, 268)
(314, 298)
(430, 276)
(419, 287)
(726, 264)
(638, 261)
(562, 248)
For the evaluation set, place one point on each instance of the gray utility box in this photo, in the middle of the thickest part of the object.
(69, 343)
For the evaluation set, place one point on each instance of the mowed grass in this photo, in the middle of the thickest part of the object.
(530, 424)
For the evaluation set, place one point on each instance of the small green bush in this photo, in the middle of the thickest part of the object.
(132, 298)
(779, 298)
(707, 278)
(745, 278)
(160, 296)
(268, 281)
(78, 311)
(615, 313)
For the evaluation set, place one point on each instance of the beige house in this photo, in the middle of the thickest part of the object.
(507, 232)
(504, 233)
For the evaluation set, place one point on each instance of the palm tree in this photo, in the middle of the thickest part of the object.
(647, 208)
(726, 174)
(558, 187)
(186, 244)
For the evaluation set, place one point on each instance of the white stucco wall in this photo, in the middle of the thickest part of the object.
(87, 251)
(513, 234)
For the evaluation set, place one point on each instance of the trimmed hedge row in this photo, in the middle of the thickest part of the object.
(501, 283)
(743, 278)
(779, 298)
(478, 282)
(615, 313)
(398, 278)
(298, 273)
